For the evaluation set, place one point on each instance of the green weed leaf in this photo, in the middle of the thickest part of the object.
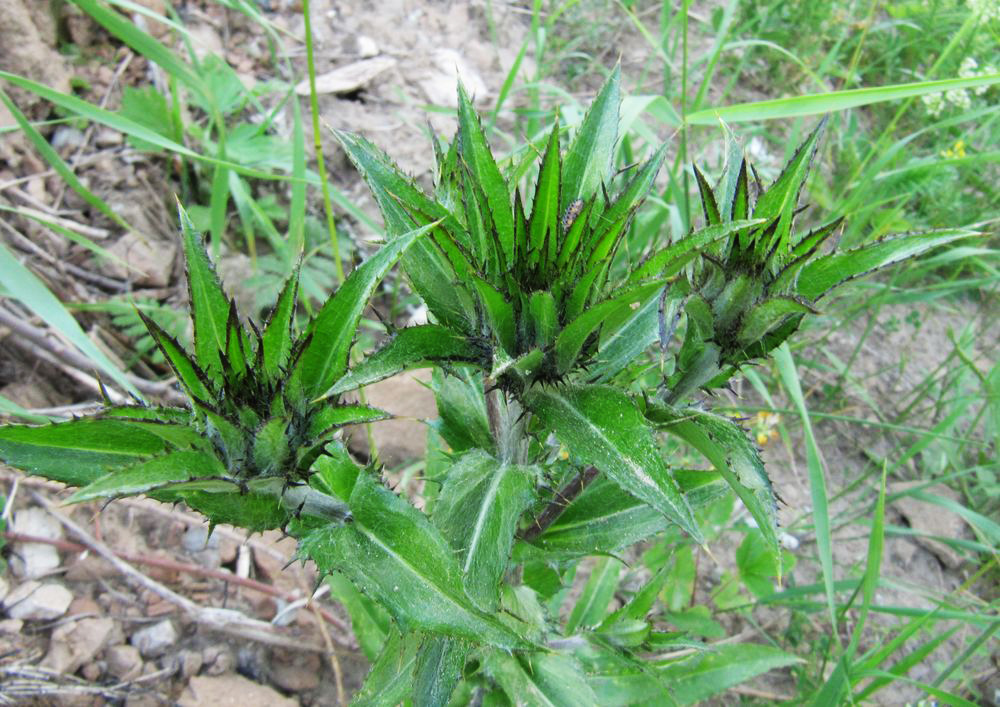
(588, 161)
(601, 426)
(80, 451)
(703, 675)
(544, 679)
(157, 473)
(827, 271)
(209, 304)
(734, 456)
(390, 546)
(438, 669)
(331, 333)
(477, 511)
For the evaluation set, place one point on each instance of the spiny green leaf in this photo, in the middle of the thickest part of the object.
(438, 669)
(238, 347)
(332, 416)
(277, 337)
(601, 426)
(152, 474)
(781, 198)
(623, 344)
(708, 204)
(574, 335)
(477, 511)
(542, 318)
(408, 348)
(542, 679)
(734, 456)
(605, 518)
(209, 304)
(270, 446)
(766, 316)
(545, 204)
(663, 262)
(826, 272)
(391, 545)
(499, 314)
(188, 373)
(474, 149)
(630, 199)
(253, 511)
(432, 274)
(461, 405)
(79, 451)
(324, 358)
(588, 161)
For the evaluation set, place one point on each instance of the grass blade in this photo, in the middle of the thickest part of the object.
(817, 480)
(814, 104)
(23, 284)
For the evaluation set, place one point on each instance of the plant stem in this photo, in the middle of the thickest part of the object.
(331, 224)
(506, 425)
(558, 504)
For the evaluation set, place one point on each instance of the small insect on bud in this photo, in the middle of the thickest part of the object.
(572, 211)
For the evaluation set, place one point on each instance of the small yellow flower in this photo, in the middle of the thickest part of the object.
(956, 150)
(564, 454)
(765, 427)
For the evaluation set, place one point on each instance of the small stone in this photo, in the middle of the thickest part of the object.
(202, 547)
(67, 137)
(106, 137)
(75, 644)
(84, 606)
(34, 601)
(150, 262)
(87, 568)
(361, 45)
(232, 690)
(348, 78)
(301, 674)
(154, 640)
(34, 560)
(91, 671)
(3, 588)
(218, 660)
(189, 663)
(124, 662)
(11, 627)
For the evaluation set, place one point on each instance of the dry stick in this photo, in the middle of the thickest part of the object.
(78, 361)
(222, 620)
(184, 567)
(122, 65)
(558, 504)
(25, 243)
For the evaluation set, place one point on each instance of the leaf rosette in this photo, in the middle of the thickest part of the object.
(524, 293)
(243, 450)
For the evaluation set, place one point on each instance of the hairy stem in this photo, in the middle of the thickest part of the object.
(507, 422)
(558, 504)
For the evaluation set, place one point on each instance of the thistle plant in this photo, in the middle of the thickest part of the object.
(246, 448)
(551, 437)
